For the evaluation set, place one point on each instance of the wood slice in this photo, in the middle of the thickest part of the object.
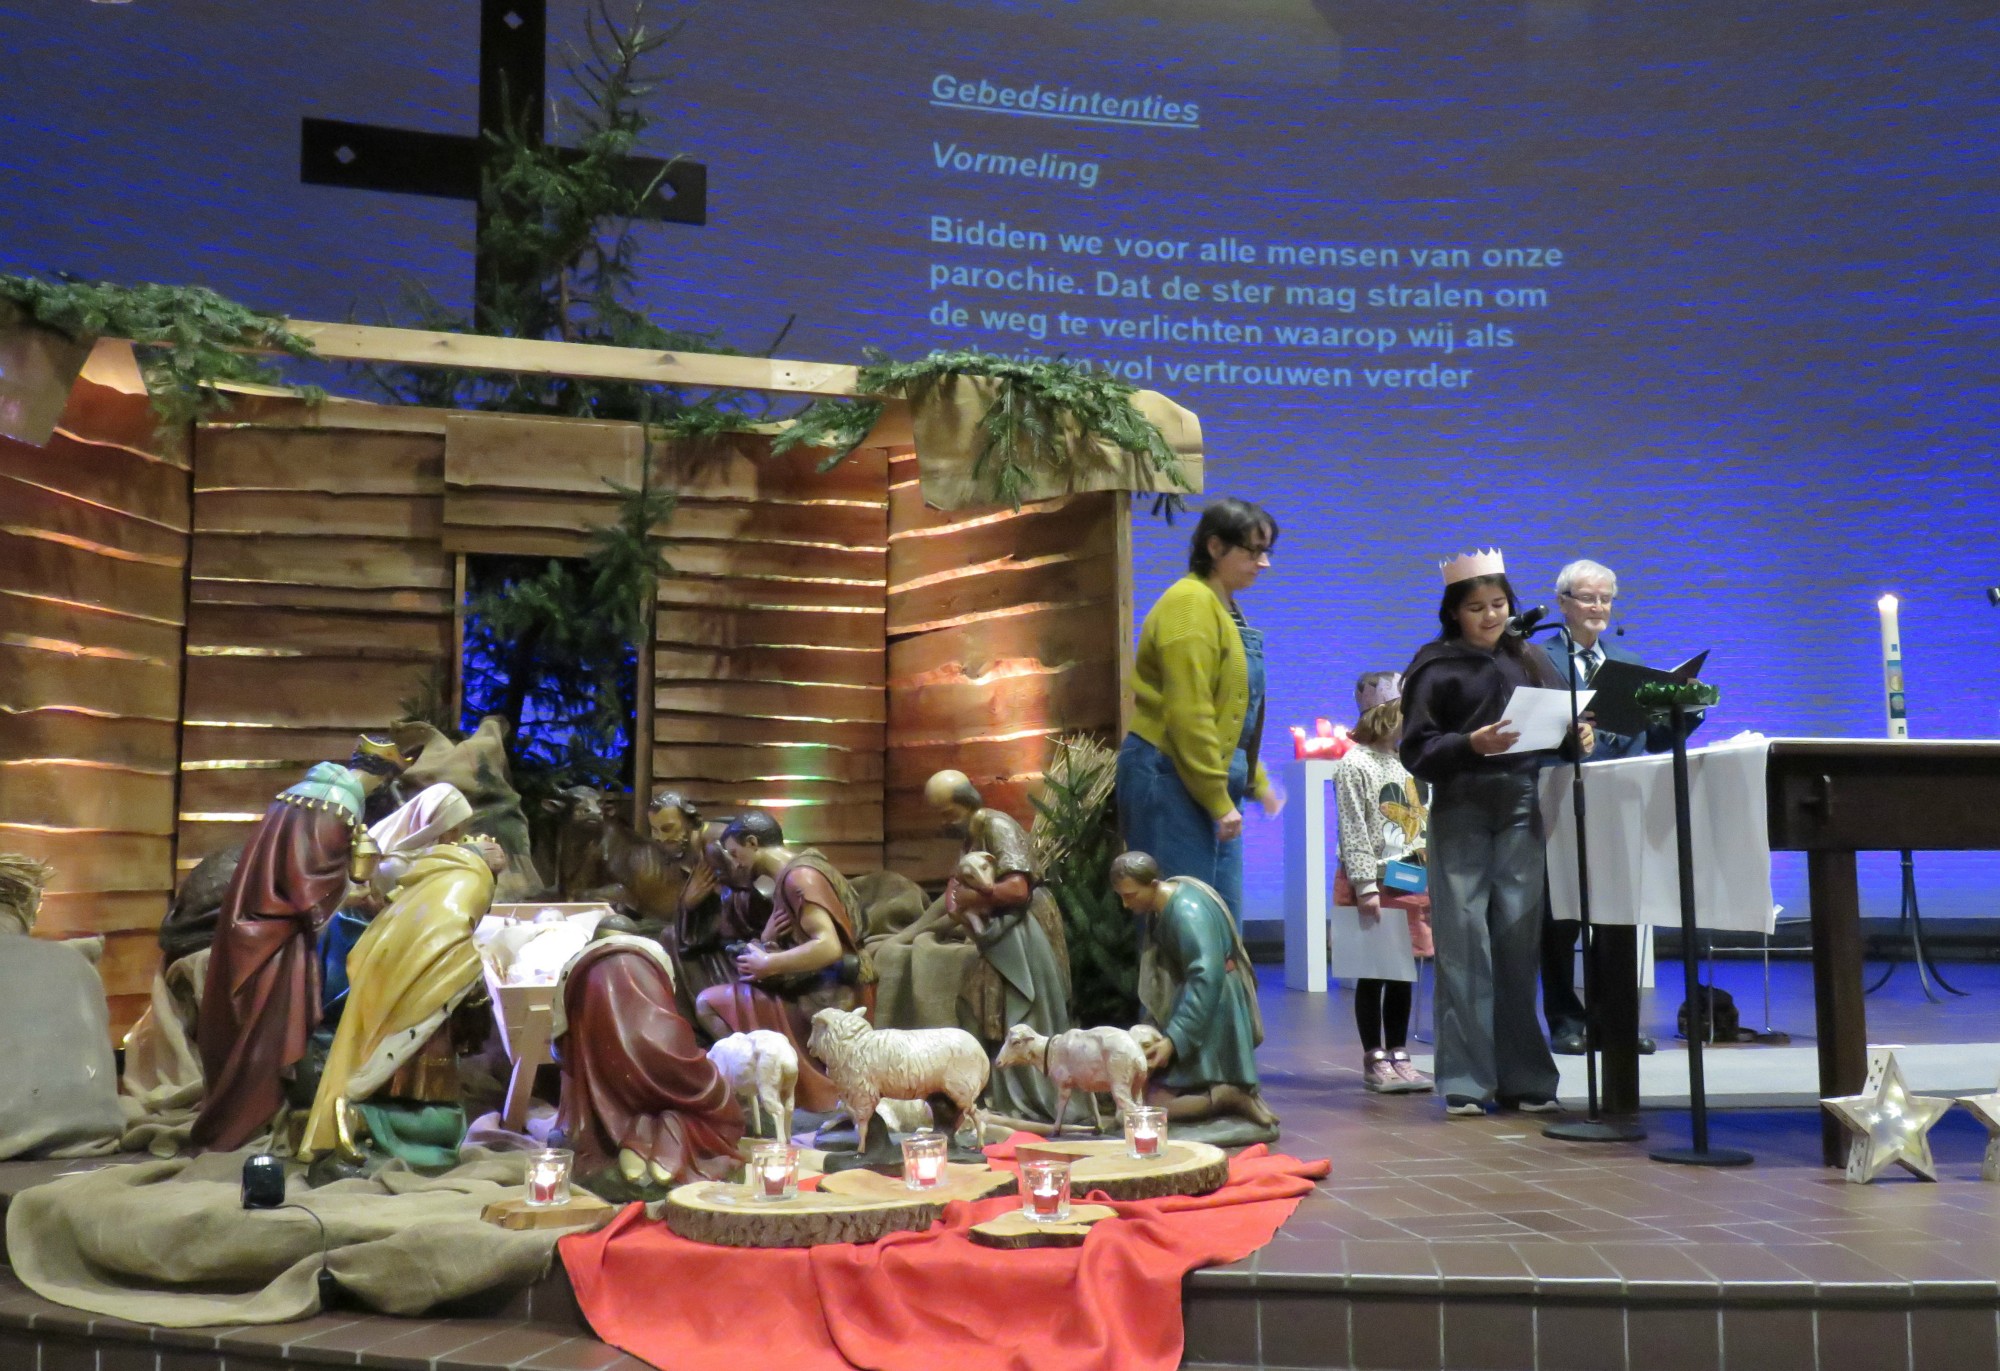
(962, 1181)
(1185, 1168)
(584, 1210)
(723, 1214)
(1016, 1229)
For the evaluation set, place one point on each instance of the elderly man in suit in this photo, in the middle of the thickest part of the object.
(1586, 592)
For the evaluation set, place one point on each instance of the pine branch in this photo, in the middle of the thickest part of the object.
(186, 337)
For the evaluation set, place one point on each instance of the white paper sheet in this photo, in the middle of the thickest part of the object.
(1380, 953)
(1541, 716)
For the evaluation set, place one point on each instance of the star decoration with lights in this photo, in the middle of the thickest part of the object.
(1986, 1109)
(1891, 1126)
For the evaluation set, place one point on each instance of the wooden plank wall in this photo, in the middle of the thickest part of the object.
(1005, 628)
(93, 558)
(320, 599)
(769, 657)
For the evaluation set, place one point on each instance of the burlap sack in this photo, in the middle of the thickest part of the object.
(945, 427)
(169, 1242)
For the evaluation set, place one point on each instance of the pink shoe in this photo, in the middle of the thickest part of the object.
(1378, 1074)
(1413, 1079)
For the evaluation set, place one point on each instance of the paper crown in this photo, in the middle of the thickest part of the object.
(1382, 691)
(1469, 564)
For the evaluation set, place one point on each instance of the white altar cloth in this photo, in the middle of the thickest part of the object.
(1629, 804)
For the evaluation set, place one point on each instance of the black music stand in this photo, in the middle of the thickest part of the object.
(1700, 1154)
(1590, 1128)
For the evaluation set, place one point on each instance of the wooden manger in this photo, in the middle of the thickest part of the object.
(189, 619)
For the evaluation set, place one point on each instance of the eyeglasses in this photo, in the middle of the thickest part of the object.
(1260, 551)
(1591, 601)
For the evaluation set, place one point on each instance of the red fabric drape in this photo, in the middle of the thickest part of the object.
(918, 1301)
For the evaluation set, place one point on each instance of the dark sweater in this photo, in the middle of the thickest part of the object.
(1452, 688)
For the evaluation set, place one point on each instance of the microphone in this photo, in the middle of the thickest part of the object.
(1522, 624)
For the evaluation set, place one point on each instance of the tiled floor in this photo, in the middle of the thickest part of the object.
(1479, 1243)
(1434, 1243)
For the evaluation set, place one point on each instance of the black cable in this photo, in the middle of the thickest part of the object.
(329, 1288)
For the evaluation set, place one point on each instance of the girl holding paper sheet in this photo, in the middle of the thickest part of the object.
(1486, 841)
(1382, 924)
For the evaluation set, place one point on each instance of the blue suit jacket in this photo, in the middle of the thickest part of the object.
(1658, 738)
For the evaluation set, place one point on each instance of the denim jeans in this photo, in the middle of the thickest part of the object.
(1157, 816)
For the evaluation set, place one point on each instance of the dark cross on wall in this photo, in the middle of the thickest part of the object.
(513, 89)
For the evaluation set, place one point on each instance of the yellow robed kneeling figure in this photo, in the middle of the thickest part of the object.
(407, 973)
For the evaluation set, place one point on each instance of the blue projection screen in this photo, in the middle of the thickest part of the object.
(1703, 291)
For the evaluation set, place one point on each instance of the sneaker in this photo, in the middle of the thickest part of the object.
(1464, 1106)
(1379, 1074)
(1533, 1104)
(1413, 1079)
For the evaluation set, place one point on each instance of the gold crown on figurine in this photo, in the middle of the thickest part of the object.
(375, 753)
(1469, 564)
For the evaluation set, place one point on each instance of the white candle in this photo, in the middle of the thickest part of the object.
(928, 1169)
(1892, 667)
(1048, 1195)
(775, 1177)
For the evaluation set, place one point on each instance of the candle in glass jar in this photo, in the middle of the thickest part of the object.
(1045, 1189)
(1145, 1131)
(548, 1178)
(774, 1172)
(923, 1160)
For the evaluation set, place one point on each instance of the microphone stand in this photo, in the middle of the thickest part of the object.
(1590, 1128)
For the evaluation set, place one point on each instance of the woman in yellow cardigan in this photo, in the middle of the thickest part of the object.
(1198, 709)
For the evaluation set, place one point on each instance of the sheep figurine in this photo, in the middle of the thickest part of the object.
(904, 1116)
(1086, 1059)
(762, 1068)
(867, 1065)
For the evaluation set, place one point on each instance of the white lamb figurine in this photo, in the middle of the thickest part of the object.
(762, 1068)
(1086, 1059)
(868, 1065)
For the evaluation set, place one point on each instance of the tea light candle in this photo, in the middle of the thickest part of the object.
(774, 1172)
(1045, 1190)
(923, 1160)
(548, 1178)
(1145, 1131)
(1892, 667)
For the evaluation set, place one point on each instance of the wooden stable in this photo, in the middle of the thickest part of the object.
(187, 620)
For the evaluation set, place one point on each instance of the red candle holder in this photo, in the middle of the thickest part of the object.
(548, 1177)
(1045, 1190)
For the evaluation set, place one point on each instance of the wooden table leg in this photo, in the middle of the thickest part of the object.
(1618, 1016)
(1840, 1014)
(520, 1093)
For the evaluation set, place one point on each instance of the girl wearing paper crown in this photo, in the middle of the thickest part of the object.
(1383, 920)
(1485, 870)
